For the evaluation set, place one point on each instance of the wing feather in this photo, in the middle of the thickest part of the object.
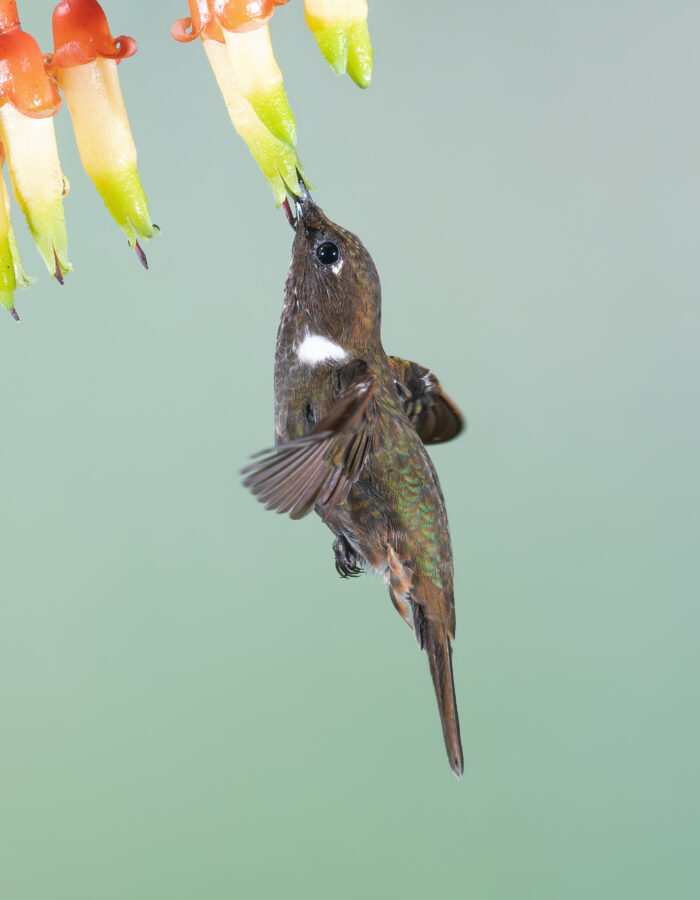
(321, 467)
(431, 412)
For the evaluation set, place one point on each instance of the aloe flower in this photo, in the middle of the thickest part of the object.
(28, 100)
(236, 40)
(340, 28)
(85, 63)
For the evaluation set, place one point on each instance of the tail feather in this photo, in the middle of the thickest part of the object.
(433, 638)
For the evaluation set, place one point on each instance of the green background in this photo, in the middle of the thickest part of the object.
(193, 704)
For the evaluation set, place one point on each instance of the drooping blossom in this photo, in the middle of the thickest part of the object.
(11, 273)
(28, 101)
(243, 26)
(85, 62)
(236, 39)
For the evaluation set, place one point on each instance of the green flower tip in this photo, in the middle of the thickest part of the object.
(277, 160)
(7, 275)
(12, 274)
(48, 228)
(124, 197)
(21, 278)
(346, 47)
(332, 40)
(274, 111)
(360, 54)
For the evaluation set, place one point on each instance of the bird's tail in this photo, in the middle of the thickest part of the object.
(433, 638)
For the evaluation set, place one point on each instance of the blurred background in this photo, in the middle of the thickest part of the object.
(193, 704)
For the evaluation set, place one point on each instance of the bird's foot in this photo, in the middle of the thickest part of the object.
(346, 561)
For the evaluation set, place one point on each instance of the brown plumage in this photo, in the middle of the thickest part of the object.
(430, 410)
(350, 427)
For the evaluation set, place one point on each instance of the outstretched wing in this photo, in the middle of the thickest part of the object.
(432, 413)
(321, 467)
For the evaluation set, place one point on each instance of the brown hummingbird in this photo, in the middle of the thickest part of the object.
(350, 428)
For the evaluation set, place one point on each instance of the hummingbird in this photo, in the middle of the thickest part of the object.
(351, 425)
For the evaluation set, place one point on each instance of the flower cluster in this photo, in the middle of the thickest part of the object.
(84, 66)
(236, 40)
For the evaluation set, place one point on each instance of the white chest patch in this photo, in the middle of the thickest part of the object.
(315, 349)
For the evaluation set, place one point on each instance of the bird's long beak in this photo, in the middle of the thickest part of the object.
(302, 202)
(305, 196)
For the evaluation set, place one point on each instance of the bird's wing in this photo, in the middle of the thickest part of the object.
(430, 410)
(321, 467)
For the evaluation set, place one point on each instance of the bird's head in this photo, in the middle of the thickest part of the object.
(332, 278)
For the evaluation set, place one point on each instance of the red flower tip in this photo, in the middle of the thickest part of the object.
(23, 79)
(210, 16)
(201, 23)
(81, 34)
(244, 15)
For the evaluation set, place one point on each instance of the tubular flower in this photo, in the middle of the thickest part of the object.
(11, 273)
(236, 40)
(28, 100)
(85, 63)
(259, 79)
(242, 25)
(8, 279)
(21, 278)
(278, 161)
(340, 28)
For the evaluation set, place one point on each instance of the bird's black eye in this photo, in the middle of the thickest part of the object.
(327, 253)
